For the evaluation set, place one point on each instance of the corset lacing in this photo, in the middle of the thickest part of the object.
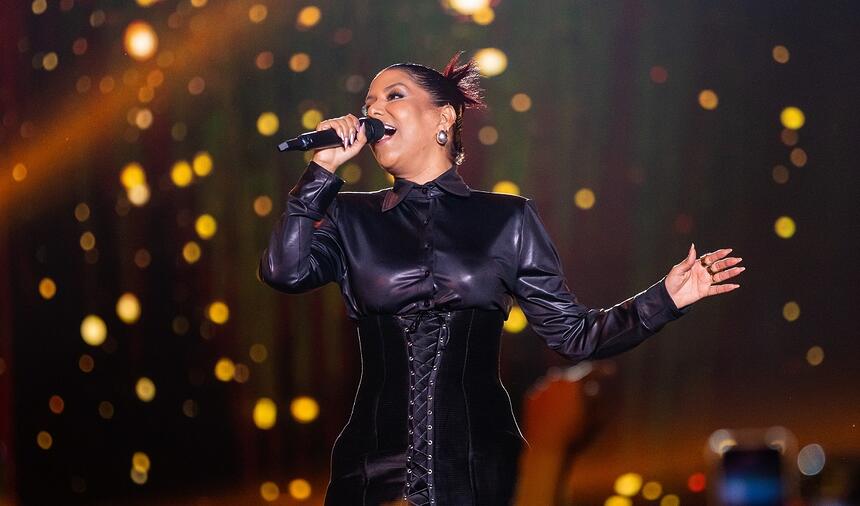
(426, 335)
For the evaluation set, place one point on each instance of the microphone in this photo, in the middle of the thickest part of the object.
(373, 130)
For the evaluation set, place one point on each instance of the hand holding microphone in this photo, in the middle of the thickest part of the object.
(336, 140)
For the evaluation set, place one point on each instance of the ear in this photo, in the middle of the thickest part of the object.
(447, 117)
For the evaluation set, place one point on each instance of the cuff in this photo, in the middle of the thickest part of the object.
(657, 307)
(316, 190)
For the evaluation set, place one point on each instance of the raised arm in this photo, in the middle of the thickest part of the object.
(304, 251)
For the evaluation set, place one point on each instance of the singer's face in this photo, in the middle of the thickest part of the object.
(398, 101)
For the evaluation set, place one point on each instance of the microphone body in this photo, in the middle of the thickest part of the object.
(373, 130)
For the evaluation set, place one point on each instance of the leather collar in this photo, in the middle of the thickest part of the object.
(450, 181)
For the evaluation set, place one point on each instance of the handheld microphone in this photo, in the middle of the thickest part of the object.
(373, 130)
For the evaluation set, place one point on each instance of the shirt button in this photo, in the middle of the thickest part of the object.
(424, 190)
(427, 220)
(427, 273)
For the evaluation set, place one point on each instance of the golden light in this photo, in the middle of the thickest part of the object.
(128, 308)
(143, 118)
(508, 187)
(82, 212)
(300, 489)
(791, 311)
(708, 99)
(218, 312)
(784, 227)
(86, 363)
(264, 60)
(308, 17)
(262, 205)
(138, 477)
(488, 135)
(516, 321)
(491, 61)
(106, 410)
(50, 61)
(652, 490)
(225, 369)
(304, 409)
(199, 3)
(56, 404)
(798, 157)
(202, 164)
(628, 484)
(257, 13)
(147, 3)
(351, 173)
(270, 491)
(47, 288)
(670, 500)
(140, 40)
(191, 252)
(265, 413)
(484, 16)
(44, 440)
(87, 241)
(780, 54)
(267, 124)
(93, 330)
(145, 389)
(181, 174)
(584, 198)
(19, 172)
(521, 102)
(468, 7)
(617, 500)
(140, 462)
(206, 226)
(132, 175)
(258, 353)
(300, 62)
(780, 174)
(815, 355)
(154, 78)
(311, 118)
(792, 118)
(788, 136)
(138, 195)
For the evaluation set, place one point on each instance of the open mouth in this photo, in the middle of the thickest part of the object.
(389, 130)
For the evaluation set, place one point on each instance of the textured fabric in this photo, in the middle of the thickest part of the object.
(441, 250)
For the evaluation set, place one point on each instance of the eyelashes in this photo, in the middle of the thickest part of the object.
(389, 97)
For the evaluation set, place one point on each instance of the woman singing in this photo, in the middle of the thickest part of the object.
(429, 270)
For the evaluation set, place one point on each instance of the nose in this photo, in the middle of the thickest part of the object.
(374, 110)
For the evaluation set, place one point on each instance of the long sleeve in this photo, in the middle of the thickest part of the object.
(569, 328)
(304, 252)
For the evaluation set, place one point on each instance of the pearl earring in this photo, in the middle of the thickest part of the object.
(442, 137)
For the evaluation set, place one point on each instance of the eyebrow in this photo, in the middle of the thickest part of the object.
(386, 89)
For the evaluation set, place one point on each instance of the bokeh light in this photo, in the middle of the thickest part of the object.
(202, 164)
(267, 124)
(56, 404)
(521, 102)
(780, 54)
(304, 409)
(798, 157)
(484, 16)
(584, 198)
(670, 500)
(488, 135)
(191, 252)
(491, 61)
(270, 491)
(145, 389)
(708, 99)
(205, 226)
(299, 489)
(468, 7)
(811, 459)
(265, 413)
(516, 321)
(696, 482)
(218, 312)
(106, 410)
(262, 205)
(258, 13)
(618, 500)
(140, 40)
(225, 369)
(128, 308)
(140, 461)
(508, 187)
(791, 311)
(47, 288)
(784, 227)
(19, 172)
(792, 118)
(93, 330)
(300, 62)
(311, 118)
(628, 484)
(652, 490)
(82, 212)
(44, 440)
(258, 353)
(181, 174)
(86, 363)
(308, 17)
(815, 356)
(132, 175)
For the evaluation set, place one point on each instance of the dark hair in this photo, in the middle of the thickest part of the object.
(458, 85)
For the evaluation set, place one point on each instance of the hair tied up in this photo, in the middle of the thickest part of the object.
(466, 80)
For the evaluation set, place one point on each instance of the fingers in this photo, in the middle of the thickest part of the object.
(709, 258)
(727, 274)
(346, 127)
(718, 289)
(687, 263)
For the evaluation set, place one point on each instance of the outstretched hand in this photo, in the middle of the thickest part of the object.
(696, 278)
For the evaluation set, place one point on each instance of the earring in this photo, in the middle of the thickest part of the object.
(442, 137)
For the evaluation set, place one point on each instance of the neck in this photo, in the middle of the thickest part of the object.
(423, 173)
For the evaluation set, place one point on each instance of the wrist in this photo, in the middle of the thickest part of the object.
(324, 164)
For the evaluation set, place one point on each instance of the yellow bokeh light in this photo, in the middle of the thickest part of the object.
(488, 135)
(521, 102)
(491, 61)
(191, 252)
(93, 330)
(140, 461)
(508, 187)
(132, 175)
(304, 409)
(815, 355)
(516, 321)
(138, 195)
(181, 174)
(225, 369)
(584, 198)
(351, 173)
(780, 54)
(270, 491)
(652, 490)
(39, 6)
(19, 172)
(47, 288)
(265, 413)
(199, 3)
(138, 477)
(147, 3)
(218, 312)
(617, 500)
(792, 118)
(258, 353)
(300, 489)
(87, 241)
(206, 226)
(257, 13)
(311, 118)
(784, 227)
(670, 500)
(128, 308)
(708, 99)
(262, 205)
(798, 157)
(44, 440)
(145, 389)
(300, 62)
(468, 7)
(791, 311)
(202, 164)
(106, 410)
(628, 484)
(267, 124)
(780, 174)
(484, 16)
(140, 40)
(82, 212)
(308, 17)
(143, 119)
(50, 61)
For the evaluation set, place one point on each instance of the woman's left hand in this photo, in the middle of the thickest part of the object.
(697, 278)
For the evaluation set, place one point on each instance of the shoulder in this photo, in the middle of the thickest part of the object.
(495, 200)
